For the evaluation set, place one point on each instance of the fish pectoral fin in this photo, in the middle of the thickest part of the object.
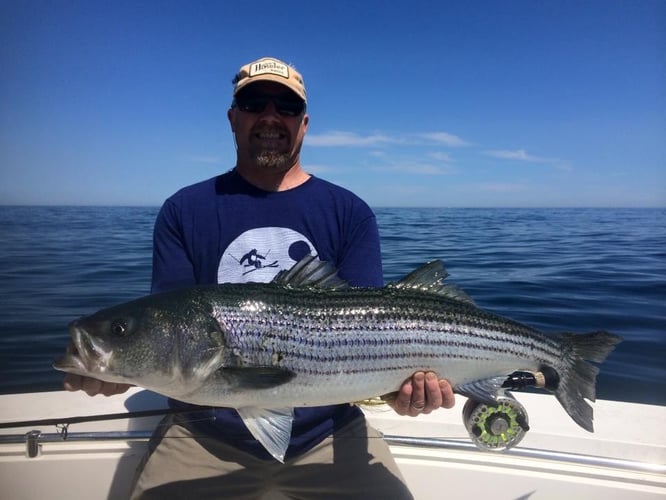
(208, 366)
(256, 377)
(484, 390)
(271, 427)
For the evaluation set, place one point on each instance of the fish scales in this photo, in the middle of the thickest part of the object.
(315, 333)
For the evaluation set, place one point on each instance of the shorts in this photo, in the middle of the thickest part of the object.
(355, 462)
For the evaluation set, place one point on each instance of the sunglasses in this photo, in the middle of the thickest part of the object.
(257, 104)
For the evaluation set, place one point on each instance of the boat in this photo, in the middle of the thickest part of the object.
(52, 446)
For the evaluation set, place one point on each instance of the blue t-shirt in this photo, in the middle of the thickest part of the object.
(227, 230)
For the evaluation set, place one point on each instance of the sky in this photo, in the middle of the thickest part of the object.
(516, 103)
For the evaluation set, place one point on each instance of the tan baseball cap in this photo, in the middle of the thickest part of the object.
(269, 69)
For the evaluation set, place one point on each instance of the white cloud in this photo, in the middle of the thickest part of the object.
(416, 168)
(519, 154)
(442, 138)
(341, 138)
(522, 155)
(441, 156)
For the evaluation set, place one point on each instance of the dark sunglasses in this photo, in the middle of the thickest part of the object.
(258, 103)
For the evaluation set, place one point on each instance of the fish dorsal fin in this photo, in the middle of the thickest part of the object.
(430, 278)
(271, 427)
(454, 292)
(311, 272)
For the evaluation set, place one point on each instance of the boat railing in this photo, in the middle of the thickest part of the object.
(34, 440)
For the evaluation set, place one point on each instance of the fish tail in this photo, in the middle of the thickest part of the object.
(577, 377)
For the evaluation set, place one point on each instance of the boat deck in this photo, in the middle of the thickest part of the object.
(624, 458)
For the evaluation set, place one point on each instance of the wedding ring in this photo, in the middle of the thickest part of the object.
(418, 406)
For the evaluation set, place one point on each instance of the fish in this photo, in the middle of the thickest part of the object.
(309, 339)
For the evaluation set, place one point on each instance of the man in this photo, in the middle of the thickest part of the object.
(246, 225)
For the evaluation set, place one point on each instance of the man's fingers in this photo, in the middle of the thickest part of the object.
(418, 402)
(110, 389)
(423, 393)
(446, 391)
(72, 382)
(404, 399)
(433, 393)
(92, 386)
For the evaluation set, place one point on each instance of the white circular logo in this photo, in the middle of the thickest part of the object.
(259, 254)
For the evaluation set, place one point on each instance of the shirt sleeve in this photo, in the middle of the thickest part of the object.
(361, 262)
(172, 264)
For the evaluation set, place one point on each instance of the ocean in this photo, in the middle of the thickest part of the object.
(559, 270)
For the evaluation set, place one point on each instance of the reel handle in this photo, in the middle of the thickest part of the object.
(496, 427)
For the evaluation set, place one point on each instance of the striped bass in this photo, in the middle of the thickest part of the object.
(308, 339)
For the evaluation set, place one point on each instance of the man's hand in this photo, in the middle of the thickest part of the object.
(92, 386)
(423, 393)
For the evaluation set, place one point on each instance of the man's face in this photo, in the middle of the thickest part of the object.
(269, 123)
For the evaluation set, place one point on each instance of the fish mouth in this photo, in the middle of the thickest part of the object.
(85, 355)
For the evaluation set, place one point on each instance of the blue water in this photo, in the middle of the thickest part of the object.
(556, 269)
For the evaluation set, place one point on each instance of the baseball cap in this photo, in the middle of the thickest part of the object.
(269, 69)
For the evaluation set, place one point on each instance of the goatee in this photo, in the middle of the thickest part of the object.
(272, 159)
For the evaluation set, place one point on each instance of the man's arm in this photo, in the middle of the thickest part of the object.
(172, 265)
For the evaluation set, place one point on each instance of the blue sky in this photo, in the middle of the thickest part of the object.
(439, 103)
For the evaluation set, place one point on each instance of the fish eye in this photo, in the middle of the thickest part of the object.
(119, 327)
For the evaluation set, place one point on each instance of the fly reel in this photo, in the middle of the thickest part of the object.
(496, 427)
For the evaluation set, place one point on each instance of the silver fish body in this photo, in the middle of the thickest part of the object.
(308, 340)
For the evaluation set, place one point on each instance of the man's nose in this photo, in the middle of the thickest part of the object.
(270, 109)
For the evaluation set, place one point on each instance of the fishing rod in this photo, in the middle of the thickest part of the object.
(65, 421)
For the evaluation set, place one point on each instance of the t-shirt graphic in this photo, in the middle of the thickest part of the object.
(259, 254)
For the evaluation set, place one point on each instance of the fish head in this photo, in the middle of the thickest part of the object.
(163, 342)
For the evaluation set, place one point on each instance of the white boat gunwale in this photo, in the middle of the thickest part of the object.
(625, 456)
